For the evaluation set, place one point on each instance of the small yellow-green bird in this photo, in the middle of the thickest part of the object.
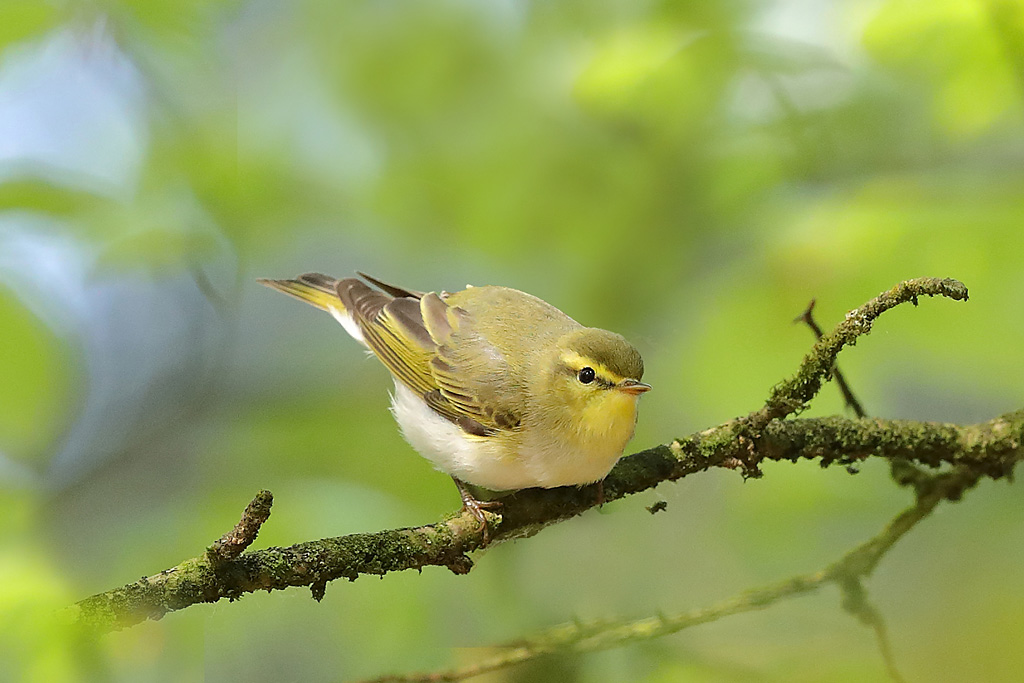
(494, 386)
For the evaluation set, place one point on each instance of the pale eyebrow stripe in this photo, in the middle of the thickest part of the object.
(577, 362)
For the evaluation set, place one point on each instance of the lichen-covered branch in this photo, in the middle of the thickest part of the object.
(989, 449)
(792, 395)
(234, 543)
(847, 573)
(807, 317)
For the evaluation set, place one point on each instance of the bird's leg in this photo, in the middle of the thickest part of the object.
(476, 508)
(600, 493)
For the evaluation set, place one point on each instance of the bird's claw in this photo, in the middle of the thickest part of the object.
(476, 508)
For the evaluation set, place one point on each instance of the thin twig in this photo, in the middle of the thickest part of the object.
(855, 601)
(904, 473)
(885, 647)
(219, 303)
(807, 317)
(233, 543)
(791, 396)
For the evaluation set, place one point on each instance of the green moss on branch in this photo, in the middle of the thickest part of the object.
(989, 449)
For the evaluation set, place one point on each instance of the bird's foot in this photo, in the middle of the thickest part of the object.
(476, 508)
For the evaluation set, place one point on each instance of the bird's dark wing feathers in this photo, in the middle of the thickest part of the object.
(411, 332)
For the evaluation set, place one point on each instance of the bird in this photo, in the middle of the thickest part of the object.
(496, 387)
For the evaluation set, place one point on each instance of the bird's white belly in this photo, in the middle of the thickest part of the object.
(473, 459)
(483, 461)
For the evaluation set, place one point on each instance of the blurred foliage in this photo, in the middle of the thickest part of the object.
(687, 173)
(31, 408)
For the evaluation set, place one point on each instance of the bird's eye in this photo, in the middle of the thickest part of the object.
(586, 375)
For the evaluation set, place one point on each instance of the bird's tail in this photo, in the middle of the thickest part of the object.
(313, 288)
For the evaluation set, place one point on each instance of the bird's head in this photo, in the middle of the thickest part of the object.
(595, 381)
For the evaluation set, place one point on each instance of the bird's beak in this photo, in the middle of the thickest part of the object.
(632, 386)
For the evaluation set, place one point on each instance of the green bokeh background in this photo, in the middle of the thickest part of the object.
(689, 174)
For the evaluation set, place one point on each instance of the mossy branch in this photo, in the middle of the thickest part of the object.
(846, 573)
(987, 449)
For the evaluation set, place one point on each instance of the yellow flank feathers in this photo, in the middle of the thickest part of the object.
(302, 291)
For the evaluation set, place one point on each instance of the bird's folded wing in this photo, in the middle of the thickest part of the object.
(413, 336)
